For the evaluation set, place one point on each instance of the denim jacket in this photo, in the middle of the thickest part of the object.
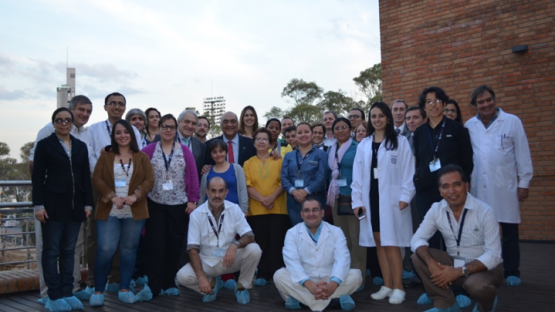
(313, 171)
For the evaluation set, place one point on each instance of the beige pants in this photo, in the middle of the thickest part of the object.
(350, 226)
(76, 261)
(246, 261)
(287, 288)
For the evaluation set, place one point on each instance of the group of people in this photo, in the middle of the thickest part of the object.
(248, 208)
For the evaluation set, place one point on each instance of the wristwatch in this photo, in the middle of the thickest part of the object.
(237, 243)
(466, 272)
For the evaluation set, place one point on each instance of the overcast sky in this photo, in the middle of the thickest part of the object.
(172, 54)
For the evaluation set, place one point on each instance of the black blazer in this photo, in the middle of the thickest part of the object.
(198, 151)
(246, 150)
(62, 186)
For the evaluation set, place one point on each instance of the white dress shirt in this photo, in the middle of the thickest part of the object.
(480, 235)
(235, 144)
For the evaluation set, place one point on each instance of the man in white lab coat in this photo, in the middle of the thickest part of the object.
(502, 170)
(317, 264)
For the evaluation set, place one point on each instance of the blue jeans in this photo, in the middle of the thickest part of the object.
(58, 241)
(110, 233)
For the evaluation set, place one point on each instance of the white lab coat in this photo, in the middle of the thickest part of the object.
(395, 172)
(502, 163)
(305, 260)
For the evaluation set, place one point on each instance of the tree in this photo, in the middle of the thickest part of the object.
(6, 163)
(10, 169)
(338, 102)
(215, 128)
(305, 112)
(274, 112)
(302, 92)
(370, 83)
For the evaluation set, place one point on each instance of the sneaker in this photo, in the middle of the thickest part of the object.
(492, 310)
(383, 293)
(243, 296)
(112, 288)
(453, 308)
(84, 294)
(74, 303)
(424, 299)
(96, 300)
(260, 282)
(463, 301)
(397, 296)
(292, 304)
(126, 296)
(57, 305)
(378, 281)
(347, 303)
(513, 281)
(144, 295)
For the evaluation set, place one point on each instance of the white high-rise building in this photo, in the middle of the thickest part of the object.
(215, 107)
(67, 91)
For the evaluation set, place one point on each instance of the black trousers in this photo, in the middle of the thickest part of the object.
(269, 233)
(424, 202)
(510, 249)
(165, 231)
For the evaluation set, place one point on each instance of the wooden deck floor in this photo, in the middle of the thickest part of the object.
(537, 293)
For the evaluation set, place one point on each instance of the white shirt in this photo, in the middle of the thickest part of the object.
(201, 234)
(235, 145)
(329, 142)
(99, 137)
(401, 128)
(46, 131)
(480, 235)
(502, 163)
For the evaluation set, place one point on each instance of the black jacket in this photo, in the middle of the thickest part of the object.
(62, 185)
(246, 150)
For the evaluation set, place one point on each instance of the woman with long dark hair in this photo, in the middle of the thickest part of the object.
(152, 124)
(122, 177)
(388, 158)
(274, 126)
(62, 199)
(248, 122)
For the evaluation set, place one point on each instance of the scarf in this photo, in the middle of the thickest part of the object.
(333, 191)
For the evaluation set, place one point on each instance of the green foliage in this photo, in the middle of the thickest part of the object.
(370, 83)
(215, 128)
(306, 112)
(10, 169)
(274, 112)
(302, 92)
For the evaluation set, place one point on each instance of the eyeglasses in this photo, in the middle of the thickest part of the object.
(447, 111)
(354, 116)
(119, 104)
(436, 101)
(261, 140)
(313, 210)
(339, 128)
(63, 121)
(167, 127)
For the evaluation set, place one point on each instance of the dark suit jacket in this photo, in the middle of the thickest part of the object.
(198, 151)
(62, 186)
(246, 150)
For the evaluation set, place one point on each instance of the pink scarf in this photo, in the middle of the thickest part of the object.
(333, 191)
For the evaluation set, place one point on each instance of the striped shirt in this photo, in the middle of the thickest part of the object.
(480, 235)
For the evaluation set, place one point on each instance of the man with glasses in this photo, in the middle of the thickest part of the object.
(503, 170)
(317, 262)
(81, 108)
(356, 117)
(203, 126)
(438, 143)
(239, 148)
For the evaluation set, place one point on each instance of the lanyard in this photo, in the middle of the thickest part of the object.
(219, 226)
(108, 127)
(337, 159)
(438, 140)
(123, 167)
(302, 159)
(278, 146)
(168, 161)
(458, 240)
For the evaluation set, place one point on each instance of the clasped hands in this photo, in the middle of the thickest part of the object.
(322, 290)
(443, 275)
(120, 201)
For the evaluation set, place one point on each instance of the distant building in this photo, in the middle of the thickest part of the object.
(214, 107)
(67, 91)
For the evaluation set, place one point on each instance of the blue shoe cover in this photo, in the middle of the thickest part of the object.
(243, 296)
(170, 292)
(132, 285)
(144, 295)
(57, 305)
(112, 288)
(126, 297)
(361, 288)
(230, 284)
(347, 303)
(453, 308)
(74, 303)
(292, 304)
(84, 294)
(463, 301)
(492, 310)
(367, 272)
(378, 281)
(141, 281)
(42, 300)
(408, 274)
(96, 300)
(513, 281)
(424, 299)
(260, 282)
(217, 286)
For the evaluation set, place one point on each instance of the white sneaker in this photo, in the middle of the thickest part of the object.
(382, 294)
(397, 296)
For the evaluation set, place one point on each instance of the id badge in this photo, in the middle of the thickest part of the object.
(435, 165)
(218, 252)
(121, 183)
(342, 182)
(458, 262)
(167, 186)
(376, 172)
(299, 183)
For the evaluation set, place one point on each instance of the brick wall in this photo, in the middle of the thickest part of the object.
(459, 45)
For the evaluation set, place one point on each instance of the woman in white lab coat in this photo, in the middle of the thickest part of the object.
(382, 187)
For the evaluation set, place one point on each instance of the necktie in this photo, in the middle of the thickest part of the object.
(230, 156)
(398, 130)
(186, 141)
